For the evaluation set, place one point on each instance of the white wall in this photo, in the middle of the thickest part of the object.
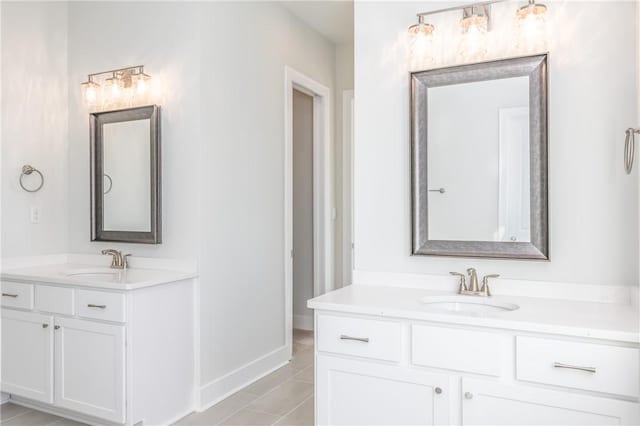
(592, 99)
(34, 126)
(108, 35)
(243, 155)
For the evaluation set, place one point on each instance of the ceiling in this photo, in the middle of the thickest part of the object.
(331, 18)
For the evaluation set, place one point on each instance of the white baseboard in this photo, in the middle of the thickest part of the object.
(303, 322)
(4, 397)
(220, 388)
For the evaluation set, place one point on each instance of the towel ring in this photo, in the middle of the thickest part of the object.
(26, 171)
(110, 184)
(629, 148)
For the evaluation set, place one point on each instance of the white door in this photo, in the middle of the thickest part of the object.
(492, 403)
(27, 355)
(90, 367)
(366, 393)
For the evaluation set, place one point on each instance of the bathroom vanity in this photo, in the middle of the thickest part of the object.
(94, 344)
(389, 355)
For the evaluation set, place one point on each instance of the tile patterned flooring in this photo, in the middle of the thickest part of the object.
(284, 397)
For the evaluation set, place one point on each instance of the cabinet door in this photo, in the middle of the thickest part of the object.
(27, 355)
(492, 403)
(351, 392)
(90, 368)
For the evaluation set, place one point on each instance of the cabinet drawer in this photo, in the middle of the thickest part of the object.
(458, 349)
(101, 305)
(360, 337)
(58, 300)
(593, 367)
(17, 295)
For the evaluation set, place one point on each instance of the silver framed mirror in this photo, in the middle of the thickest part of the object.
(479, 166)
(126, 188)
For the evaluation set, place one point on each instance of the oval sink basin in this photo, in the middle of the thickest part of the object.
(95, 271)
(471, 305)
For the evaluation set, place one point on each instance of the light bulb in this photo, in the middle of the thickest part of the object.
(141, 83)
(531, 26)
(421, 43)
(473, 43)
(90, 92)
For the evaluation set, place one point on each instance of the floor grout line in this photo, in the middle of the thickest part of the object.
(294, 408)
(17, 415)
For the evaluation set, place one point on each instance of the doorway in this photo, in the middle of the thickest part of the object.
(309, 250)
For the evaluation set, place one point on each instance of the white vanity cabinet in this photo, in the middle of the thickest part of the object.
(99, 355)
(372, 370)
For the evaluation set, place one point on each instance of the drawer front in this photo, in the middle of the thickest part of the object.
(101, 305)
(458, 349)
(360, 337)
(58, 300)
(593, 367)
(17, 295)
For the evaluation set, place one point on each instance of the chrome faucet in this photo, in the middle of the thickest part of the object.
(473, 290)
(118, 260)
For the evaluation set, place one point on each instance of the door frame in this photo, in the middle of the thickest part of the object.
(322, 191)
(348, 153)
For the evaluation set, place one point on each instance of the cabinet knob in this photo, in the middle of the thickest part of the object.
(438, 390)
(45, 325)
(468, 395)
(56, 327)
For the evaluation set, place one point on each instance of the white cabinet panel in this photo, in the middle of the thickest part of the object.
(613, 369)
(492, 403)
(366, 393)
(360, 337)
(57, 300)
(27, 355)
(459, 349)
(90, 368)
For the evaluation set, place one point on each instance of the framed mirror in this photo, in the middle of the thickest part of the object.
(125, 175)
(479, 160)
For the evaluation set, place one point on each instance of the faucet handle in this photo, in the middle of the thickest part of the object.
(485, 283)
(463, 286)
(125, 262)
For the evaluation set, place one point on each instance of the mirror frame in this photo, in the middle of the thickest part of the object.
(535, 67)
(96, 121)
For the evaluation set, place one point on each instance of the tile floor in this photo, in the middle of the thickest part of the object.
(284, 397)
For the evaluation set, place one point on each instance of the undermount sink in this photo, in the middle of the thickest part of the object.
(94, 271)
(471, 305)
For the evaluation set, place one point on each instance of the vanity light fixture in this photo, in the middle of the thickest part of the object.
(421, 29)
(475, 25)
(115, 87)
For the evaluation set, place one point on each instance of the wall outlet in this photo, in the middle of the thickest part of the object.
(34, 215)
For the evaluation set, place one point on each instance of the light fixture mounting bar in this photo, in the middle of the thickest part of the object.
(138, 67)
(479, 5)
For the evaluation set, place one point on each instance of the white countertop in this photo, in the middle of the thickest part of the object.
(90, 275)
(609, 321)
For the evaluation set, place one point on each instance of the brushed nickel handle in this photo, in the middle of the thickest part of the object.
(9, 295)
(438, 390)
(91, 305)
(440, 190)
(574, 367)
(45, 325)
(359, 339)
(468, 395)
(56, 327)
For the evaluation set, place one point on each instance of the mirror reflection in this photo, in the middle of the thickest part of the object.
(478, 161)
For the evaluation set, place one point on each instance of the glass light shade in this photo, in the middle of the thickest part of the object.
(531, 20)
(421, 45)
(90, 92)
(473, 45)
(140, 82)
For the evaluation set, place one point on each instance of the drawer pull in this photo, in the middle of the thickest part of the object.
(438, 390)
(56, 327)
(359, 339)
(45, 325)
(574, 367)
(9, 295)
(468, 395)
(91, 305)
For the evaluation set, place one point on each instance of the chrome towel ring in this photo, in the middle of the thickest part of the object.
(106, 191)
(28, 170)
(630, 148)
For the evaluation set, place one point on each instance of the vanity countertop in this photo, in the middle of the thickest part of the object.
(607, 321)
(92, 276)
